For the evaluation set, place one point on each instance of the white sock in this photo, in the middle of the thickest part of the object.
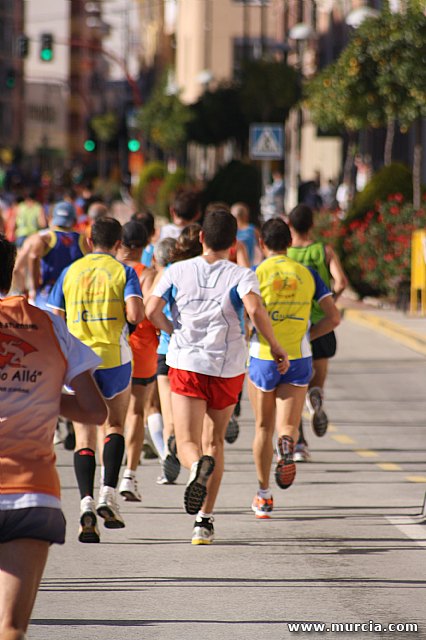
(155, 428)
(201, 514)
(265, 494)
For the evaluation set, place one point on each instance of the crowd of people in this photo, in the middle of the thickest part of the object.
(123, 329)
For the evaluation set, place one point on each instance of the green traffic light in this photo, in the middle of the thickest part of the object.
(10, 83)
(46, 55)
(133, 145)
(89, 145)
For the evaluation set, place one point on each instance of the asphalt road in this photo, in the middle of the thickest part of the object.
(344, 546)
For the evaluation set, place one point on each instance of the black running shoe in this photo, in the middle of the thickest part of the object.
(69, 441)
(232, 430)
(196, 491)
(319, 419)
(171, 464)
(203, 532)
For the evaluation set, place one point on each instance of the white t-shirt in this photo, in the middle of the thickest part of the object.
(208, 315)
(170, 231)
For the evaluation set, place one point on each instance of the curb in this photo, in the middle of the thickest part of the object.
(410, 339)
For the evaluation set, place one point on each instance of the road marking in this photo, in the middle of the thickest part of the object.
(366, 453)
(416, 478)
(414, 528)
(389, 466)
(343, 439)
(404, 336)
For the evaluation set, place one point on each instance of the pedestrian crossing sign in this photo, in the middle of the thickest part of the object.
(266, 141)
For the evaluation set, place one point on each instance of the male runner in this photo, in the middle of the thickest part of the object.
(287, 289)
(99, 295)
(325, 261)
(207, 356)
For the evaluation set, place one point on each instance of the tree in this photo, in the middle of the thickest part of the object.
(164, 118)
(105, 126)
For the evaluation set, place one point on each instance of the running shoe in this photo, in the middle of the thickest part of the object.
(232, 430)
(285, 471)
(301, 452)
(196, 491)
(129, 489)
(69, 440)
(171, 464)
(163, 480)
(108, 509)
(319, 420)
(262, 507)
(203, 532)
(149, 452)
(88, 531)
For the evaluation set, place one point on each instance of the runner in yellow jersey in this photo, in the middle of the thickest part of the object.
(99, 295)
(288, 290)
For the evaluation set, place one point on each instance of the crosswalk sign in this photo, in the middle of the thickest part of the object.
(266, 141)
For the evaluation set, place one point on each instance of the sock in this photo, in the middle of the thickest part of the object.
(85, 467)
(265, 494)
(202, 514)
(155, 428)
(113, 457)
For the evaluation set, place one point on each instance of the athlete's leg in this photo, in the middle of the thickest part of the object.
(289, 401)
(320, 367)
(214, 428)
(188, 421)
(265, 409)
(166, 407)
(22, 564)
(135, 423)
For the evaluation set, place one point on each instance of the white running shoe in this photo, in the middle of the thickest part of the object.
(108, 509)
(203, 532)
(301, 452)
(129, 488)
(88, 531)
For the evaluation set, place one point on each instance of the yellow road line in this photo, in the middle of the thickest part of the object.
(389, 466)
(416, 478)
(366, 453)
(343, 439)
(410, 339)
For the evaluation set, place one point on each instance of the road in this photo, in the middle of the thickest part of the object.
(344, 545)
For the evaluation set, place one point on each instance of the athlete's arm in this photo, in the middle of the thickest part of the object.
(154, 313)
(135, 311)
(241, 257)
(336, 271)
(36, 249)
(330, 321)
(258, 315)
(87, 405)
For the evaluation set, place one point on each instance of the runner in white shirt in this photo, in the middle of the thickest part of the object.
(207, 356)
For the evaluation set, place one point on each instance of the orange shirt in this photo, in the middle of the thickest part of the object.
(37, 356)
(144, 343)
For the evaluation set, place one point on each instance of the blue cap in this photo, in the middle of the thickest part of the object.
(64, 214)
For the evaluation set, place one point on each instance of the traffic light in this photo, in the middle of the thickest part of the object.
(46, 47)
(89, 145)
(10, 78)
(133, 145)
(22, 45)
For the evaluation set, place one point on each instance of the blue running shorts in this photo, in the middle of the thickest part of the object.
(113, 381)
(265, 375)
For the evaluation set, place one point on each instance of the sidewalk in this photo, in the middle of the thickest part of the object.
(404, 328)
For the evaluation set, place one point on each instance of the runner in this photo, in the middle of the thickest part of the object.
(99, 295)
(325, 261)
(144, 342)
(49, 251)
(207, 356)
(184, 210)
(38, 355)
(247, 233)
(287, 289)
